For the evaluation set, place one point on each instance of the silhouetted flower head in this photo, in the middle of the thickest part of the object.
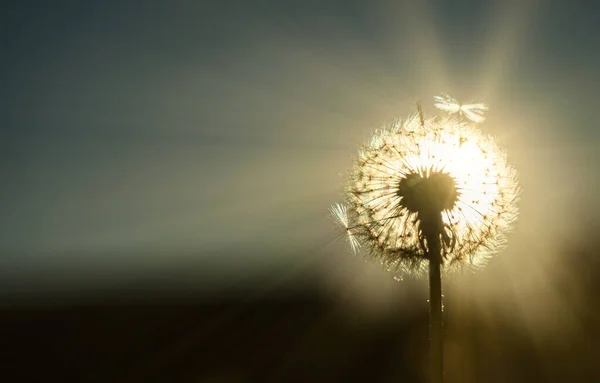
(413, 171)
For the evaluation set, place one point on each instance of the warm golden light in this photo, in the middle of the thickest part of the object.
(413, 166)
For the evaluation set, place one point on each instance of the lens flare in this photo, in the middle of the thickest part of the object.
(412, 167)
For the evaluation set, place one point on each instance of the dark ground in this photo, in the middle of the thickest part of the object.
(291, 337)
(297, 339)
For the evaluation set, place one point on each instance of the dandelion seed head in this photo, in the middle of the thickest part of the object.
(412, 169)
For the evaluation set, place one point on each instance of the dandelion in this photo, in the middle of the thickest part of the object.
(415, 180)
(430, 195)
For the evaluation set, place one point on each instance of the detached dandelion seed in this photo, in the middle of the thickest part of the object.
(473, 112)
(430, 195)
(340, 214)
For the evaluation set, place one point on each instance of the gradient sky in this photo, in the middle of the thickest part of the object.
(143, 140)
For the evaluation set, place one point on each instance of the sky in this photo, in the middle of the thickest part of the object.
(198, 145)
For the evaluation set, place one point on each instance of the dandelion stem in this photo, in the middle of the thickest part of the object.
(435, 309)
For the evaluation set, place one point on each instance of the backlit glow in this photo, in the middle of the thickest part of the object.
(475, 223)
